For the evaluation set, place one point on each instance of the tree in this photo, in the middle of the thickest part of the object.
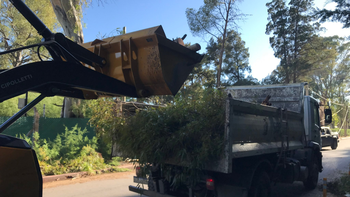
(278, 26)
(340, 14)
(303, 29)
(330, 83)
(15, 31)
(273, 78)
(216, 18)
(235, 59)
(293, 28)
(201, 78)
(52, 109)
(69, 15)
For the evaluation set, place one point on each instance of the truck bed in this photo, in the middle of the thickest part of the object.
(253, 129)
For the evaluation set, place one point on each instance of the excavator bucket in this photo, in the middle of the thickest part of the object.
(145, 59)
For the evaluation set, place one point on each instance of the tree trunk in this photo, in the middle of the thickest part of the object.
(346, 123)
(296, 50)
(115, 152)
(69, 18)
(36, 120)
(286, 54)
(218, 83)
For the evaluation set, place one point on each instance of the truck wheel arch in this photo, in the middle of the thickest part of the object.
(316, 151)
(261, 166)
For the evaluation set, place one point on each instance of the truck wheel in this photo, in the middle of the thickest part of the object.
(151, 186)
(312, 179)
(261, 185)
(334, 144)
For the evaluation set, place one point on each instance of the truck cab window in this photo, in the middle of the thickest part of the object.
(316, 116)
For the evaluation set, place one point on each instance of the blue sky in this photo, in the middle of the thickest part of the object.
(141, 14)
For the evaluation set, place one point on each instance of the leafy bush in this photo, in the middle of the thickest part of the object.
(340, 186)
(188, 132)
(69, 152)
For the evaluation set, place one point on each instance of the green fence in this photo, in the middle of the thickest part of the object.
(48, 127)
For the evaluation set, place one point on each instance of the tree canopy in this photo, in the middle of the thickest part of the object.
(215, 18)
(235, 59)
(340, 14)
(293, 27)
(15, 31)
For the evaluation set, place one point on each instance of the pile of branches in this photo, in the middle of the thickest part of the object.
(187, 131)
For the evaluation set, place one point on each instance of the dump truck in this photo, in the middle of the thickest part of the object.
(138, 64)
(272, 134)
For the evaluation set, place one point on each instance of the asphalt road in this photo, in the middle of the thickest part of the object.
(334, 163)
(96, 188)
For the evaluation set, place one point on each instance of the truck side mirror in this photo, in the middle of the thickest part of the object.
(328, 116)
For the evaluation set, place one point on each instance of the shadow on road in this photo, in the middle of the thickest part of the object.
(292, 190)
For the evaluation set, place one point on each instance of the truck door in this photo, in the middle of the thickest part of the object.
(315, 125)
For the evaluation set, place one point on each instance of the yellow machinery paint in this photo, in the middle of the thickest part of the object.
(145, 59)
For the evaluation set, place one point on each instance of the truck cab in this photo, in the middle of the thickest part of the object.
(312, 120)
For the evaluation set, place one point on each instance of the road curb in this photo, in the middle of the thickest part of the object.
(76, 175)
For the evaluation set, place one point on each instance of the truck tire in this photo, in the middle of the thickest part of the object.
(261, 185)
(311, 182)
(334, 144)
(151, 186)
(151, 183)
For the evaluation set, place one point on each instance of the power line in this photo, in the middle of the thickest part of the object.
(344, 120)
(325, 98)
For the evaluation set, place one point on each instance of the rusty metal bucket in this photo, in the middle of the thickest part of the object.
(147, 60)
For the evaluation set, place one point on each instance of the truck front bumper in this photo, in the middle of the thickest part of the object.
(147, 192)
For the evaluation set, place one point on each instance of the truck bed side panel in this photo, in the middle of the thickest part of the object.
(257, 129)
(253, 129)
(288, 96)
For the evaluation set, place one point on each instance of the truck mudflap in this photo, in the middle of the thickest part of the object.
(147, 192)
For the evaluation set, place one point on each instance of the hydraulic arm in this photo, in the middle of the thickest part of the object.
(139, 64)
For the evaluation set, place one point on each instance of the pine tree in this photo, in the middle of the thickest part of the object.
(278, 26)
(215, 18)
(340, 14)
(293, 28)
(235, 59)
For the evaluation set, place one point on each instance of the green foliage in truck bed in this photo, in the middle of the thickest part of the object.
(186, 132)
